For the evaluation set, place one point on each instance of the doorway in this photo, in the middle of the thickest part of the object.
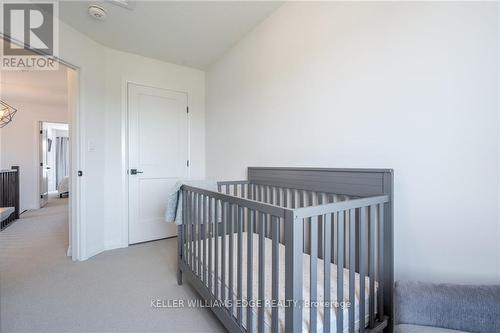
(44, 97)
(158, 157)
(54, 152)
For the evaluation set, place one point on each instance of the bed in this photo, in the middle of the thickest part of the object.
(63, 187)
(292, 250)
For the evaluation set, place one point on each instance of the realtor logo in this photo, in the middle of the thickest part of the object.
(31, 28)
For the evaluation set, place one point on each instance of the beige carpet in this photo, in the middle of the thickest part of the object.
(42, 290)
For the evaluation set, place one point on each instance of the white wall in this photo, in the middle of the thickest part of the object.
(20, 145)
(102, 73)
(88, 56)
(121, 68)
(409, 86)
(102, 96)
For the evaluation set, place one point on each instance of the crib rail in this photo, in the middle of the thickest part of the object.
(326, 226)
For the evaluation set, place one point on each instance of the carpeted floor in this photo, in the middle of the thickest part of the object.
(42, 290)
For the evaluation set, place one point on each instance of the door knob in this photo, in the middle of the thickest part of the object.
(134, 171)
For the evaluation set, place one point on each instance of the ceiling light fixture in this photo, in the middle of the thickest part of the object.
(7, 112)
(97, 12)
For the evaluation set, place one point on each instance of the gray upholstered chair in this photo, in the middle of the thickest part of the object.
(446, 308)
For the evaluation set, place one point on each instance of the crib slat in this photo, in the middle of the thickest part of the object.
(307, 221)
(313, 236)
(278, 202)
(321, 227)
(187, 212)
(371, 257)
(266, 217)
(340, 270)
(191, 222)
(346, 236)
(272, 198)
(206, 234)
(191, 230)
(352, 268)
(362, 268)
(223, 252)
(262, 285)
(275, 272)
(184, 224)
(327, 226)
(240, 266)
(285, 204)
(182, 236)
(210, 234)
(251, 216)
(195, 234)
(216, 238)
(204, 239)
(198, 223)
(231, 254)
(381, 263)
(331, 198)
(294, 266)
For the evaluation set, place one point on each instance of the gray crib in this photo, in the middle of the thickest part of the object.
(293, 249)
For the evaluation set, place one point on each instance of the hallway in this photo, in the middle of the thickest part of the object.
(42, 290)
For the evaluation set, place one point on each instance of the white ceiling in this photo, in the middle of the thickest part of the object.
(189, 33)
(46, 87)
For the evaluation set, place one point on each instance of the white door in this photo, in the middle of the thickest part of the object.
(158, 158)
(44, 168)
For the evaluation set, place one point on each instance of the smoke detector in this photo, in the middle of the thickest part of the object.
(97, 12)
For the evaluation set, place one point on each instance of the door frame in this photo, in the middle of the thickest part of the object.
(40, 130)
(125, 145)
(76, 242)
(76, 214)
